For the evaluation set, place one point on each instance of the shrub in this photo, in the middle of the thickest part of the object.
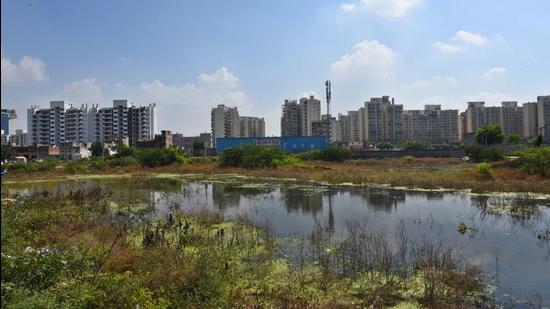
(231, 157)
(408, 160)
(252, 156)
(535, 161)
(98, 163)
(484, 170)
(152, 157)
(489, 135)
(417, 145)
(122, 162)
(480, 153)
(332, 154)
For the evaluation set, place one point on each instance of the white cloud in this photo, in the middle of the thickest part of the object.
(187, 107)
(367, 58)
(383, 8)
(28, 69)
(348, 7)
(471, 38)
(448, 48)
(426, 83)
(495, 72)
(83, 92)
(462, 41)
(308, 93)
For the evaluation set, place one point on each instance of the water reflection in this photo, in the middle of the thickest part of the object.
(506, 235)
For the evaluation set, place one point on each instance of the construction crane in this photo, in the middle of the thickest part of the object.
(328, 93)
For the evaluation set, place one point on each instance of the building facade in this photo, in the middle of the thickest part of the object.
(298, 117)
(251, 127)
(543, 114)
(9, 121)
(224, 122)
(383, 121)
(63, 122)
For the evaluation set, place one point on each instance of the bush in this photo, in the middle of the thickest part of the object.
(122, 162)
(252, 156)
(535, 161)
(408, 160)
(153, 157)
(98, 163)
(332, 154)
(484, 170)
(480, 153)
(489, 135)
(417, 145)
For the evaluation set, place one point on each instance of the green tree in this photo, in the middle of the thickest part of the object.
(124, 151)
(537, 141)
(384, 146)
(97, 149)
(417, 145)
(7, 153)
(535, 161)
(513, 139)
(489, 135)
(198, 144)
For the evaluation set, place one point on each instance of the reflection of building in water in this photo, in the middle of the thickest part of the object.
(383, 199)
(296, 200)
(225, 195)
(428, 195)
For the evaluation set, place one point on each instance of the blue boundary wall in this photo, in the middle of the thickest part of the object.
(287, 143)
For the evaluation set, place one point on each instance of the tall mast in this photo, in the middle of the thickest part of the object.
(328, 93)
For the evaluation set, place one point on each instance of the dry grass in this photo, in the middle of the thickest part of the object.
(428, 173)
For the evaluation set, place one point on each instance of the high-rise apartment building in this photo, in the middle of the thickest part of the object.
(383, 121)
(320, 128)
(475, 117)
(431, 125)
(63, 122)
(543, 114)
(297, 117)
(310, 109)
(252, 127)
(530, 120)
(9, 121)
(511, 118)
(224, 122)
(291, 124)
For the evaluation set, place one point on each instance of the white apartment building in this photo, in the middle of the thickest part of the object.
(383, 121)
(530, 120)
(224, 122)
(63, 122)
(251, 126)
(543, 113)
(310, 110)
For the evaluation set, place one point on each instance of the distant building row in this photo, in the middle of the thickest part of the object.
(226, 122)
(381, 120)
(63, 122)
(527, 121)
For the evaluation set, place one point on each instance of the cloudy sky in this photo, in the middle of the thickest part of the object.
(191, 55)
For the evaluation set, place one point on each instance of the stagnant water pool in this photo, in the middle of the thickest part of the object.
(507, 235)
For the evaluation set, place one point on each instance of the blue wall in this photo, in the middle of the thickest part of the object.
(6, 124)
(287, 143)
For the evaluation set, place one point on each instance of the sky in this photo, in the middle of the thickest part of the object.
(189, 56)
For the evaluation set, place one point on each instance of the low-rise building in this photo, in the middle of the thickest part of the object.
(74, 151)
(164, 140)
(35, 152)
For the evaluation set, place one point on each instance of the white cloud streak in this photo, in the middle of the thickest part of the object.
(368, 59)
(27, 69)
(382, 8)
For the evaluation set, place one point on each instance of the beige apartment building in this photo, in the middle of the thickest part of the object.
(252, 127)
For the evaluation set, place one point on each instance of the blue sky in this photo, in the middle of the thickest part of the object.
(189, 56)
